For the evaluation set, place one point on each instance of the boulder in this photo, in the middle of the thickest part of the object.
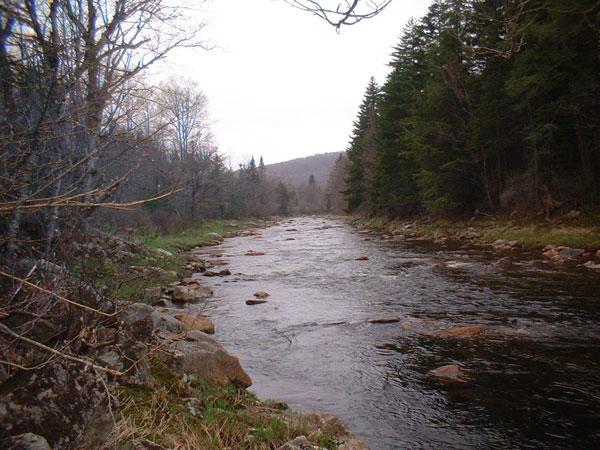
(198, 323)
(25, 441)
(464, 332)
(361, 258)
(255, 302)
(450, 373)
(215, 237)
(217, 273)
(562, 254)
(384, 320)
(200, 356)
(141, 321)
(189, 294)
(261, 294)
(55, 403)
(254, 253)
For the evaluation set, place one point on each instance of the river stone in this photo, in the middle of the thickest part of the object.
(254, 253)
(384, 320)
(215, 237)
(450, 373)
(198, 323)
(361, 258)
(192, 293)
(255, 302)
(25, 441)
(199, 355)
(217, 273)
(261, 294)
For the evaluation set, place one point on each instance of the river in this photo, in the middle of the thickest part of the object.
(534, 374)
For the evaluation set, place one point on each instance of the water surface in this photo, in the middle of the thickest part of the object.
(535, 380)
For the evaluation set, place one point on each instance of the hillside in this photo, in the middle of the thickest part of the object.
(297, 171)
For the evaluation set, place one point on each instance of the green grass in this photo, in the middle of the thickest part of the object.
(190, 237)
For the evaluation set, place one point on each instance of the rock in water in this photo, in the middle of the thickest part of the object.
(217, 273)
(215, 237)
(255, 302)
(198, 323)
(384, 320)
(254, 253)
(361, 258)
(261, 294)
(450, 373)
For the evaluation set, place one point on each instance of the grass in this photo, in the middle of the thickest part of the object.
(125, 283)
(204, 416)
(190, 237)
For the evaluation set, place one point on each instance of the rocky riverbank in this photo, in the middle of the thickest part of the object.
(150, 376)
(560, 243)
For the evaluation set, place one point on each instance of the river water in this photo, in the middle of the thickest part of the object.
(534, 374)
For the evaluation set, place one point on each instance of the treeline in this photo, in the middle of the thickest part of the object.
(490, 105)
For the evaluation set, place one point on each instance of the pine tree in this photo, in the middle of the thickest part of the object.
(361, 151)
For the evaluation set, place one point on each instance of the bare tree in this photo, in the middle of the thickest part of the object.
(341, 13)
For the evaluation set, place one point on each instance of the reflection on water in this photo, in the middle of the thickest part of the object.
(534, 372)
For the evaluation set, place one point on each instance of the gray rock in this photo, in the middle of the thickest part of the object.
(25, 441)
(142, 321)
(110, 359)
(255, 302)
(190, 294)
(215, 237)
(217, 273)
(56, 402)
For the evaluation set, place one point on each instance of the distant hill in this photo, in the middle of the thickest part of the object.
(297, 171)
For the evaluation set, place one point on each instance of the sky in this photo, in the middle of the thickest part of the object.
(282, 83)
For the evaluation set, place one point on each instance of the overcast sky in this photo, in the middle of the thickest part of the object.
(283, 83)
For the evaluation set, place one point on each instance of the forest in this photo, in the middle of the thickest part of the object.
(490, 106)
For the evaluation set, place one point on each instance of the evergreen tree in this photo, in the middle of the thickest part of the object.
(361, 150)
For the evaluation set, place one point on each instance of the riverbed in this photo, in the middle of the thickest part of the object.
(533, 375)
